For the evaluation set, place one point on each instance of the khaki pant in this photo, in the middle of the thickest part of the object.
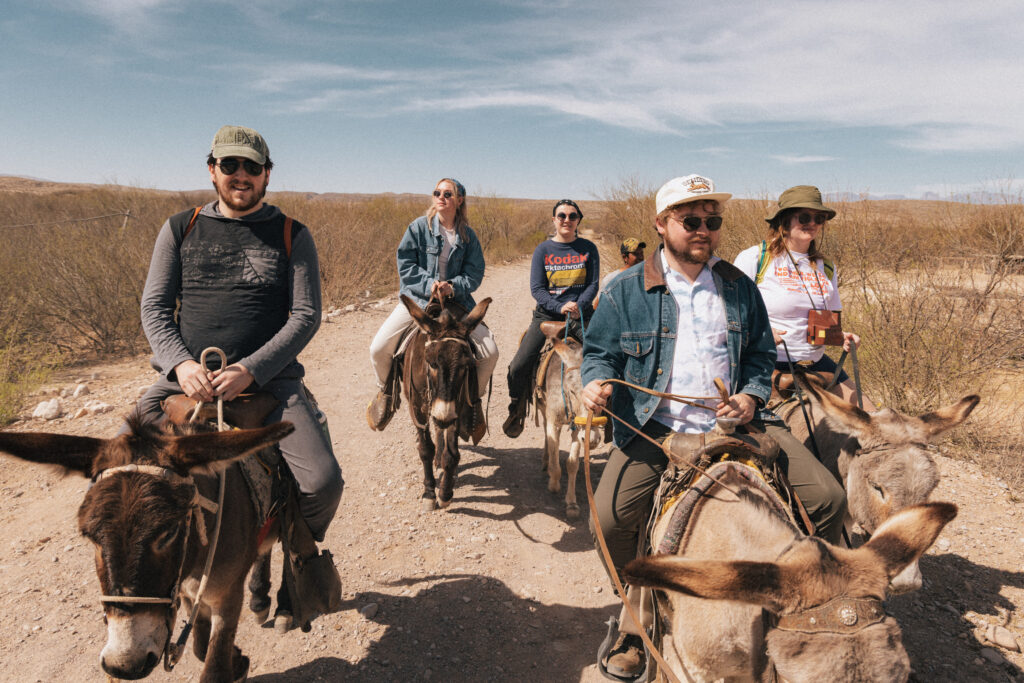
(385, 343)
(630, 479)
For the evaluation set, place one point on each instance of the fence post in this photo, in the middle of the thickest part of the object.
(124, 225)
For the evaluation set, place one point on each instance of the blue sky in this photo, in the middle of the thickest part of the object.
(521, 99)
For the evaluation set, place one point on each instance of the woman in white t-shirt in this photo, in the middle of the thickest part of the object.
(794, 277)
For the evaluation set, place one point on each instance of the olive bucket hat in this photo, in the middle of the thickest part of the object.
(801, 197)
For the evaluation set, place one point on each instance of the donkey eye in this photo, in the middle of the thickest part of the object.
(164, 540)
(879, 490)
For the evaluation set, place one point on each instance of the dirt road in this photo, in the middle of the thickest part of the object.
(499, 587)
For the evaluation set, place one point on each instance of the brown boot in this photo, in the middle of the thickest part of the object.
(513, 425)
(627, 659)
(380, 411)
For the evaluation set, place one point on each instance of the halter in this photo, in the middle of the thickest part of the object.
(199, 503)
(173, 651)
(465, 393)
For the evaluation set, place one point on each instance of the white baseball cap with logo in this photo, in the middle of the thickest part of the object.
(686, 189)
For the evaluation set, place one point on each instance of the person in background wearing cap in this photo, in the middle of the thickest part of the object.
(241, 291)
(439, 256)
(674, 325)
(632, 251)
(563, 281)
(794, 276)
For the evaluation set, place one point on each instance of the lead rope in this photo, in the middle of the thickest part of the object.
(174, 652)
(573, 427)
(648, 643)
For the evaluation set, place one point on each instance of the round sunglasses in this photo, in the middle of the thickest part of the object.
(693, 223)
(231, 166)
(567, 216)
(447, 194)
(806, 217)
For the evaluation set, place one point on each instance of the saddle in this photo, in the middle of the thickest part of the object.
(749, 455)
(311, 578)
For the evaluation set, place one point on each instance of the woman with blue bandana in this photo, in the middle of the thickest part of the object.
(439, 256)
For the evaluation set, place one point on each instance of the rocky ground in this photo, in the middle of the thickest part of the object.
(499, 587)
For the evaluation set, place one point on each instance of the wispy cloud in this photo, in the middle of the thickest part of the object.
(806, 159)
(926, 77)
(938, 80)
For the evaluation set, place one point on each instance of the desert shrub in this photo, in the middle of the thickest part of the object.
(74, 273)
(934, 289)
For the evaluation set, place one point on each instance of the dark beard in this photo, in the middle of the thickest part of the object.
(257, 198)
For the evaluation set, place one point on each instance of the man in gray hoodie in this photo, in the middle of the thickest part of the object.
(248, 282)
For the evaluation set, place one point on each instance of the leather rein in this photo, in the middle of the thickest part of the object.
(173, 651)
(840, 615)
(465, 394)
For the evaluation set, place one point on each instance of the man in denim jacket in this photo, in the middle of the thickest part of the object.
(673, 324)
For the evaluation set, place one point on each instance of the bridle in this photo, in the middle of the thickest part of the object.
(841, 615)
(465, 393)
(172, 652)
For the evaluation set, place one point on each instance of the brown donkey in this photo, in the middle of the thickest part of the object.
(145, 517)
(748, 592)
(438, 381)
(880, 457)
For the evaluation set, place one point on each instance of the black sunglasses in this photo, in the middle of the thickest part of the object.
(230, 166)
(806, 217)
(571, 216)
(693, 223)
(447, 194)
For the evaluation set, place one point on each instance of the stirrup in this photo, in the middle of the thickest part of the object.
(605, 647)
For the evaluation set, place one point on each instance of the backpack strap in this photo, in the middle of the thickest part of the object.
(829, 267)
(288, 237)
(191, 222)
(762, 262)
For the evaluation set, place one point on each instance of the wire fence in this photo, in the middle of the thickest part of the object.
(126, 214)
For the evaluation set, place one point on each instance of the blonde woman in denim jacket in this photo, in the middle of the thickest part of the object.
(439, 254)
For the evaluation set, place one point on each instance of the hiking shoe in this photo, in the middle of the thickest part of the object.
(626, 659)
(380, 411)
(513, 425)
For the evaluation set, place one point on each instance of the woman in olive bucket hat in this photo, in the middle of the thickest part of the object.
(794, 277)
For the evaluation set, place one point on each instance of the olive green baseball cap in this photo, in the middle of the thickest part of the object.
(801, 197)
(237, 141)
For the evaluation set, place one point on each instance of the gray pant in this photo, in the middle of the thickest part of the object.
(306, 450)
(626, 491)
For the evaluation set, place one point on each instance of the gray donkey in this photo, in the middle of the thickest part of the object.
(880, 457)
(556, 401)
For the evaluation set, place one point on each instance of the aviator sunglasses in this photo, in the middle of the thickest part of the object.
(693, 223)
(567, 216)
(806, 217)
(230, 166)
(447, 194)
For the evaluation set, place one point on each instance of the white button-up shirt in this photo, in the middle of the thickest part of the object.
(701, 353)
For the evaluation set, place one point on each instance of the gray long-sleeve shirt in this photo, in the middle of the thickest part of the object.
(238, 290)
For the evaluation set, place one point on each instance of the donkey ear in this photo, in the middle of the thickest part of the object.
(214, 451)
(70, 452)
(905, 536)
(758, 583)
(474, 317)
(844, 417)
(944, 419)
(419, 316)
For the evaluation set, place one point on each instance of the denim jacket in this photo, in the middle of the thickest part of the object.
(633, 333)
(418, 254)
